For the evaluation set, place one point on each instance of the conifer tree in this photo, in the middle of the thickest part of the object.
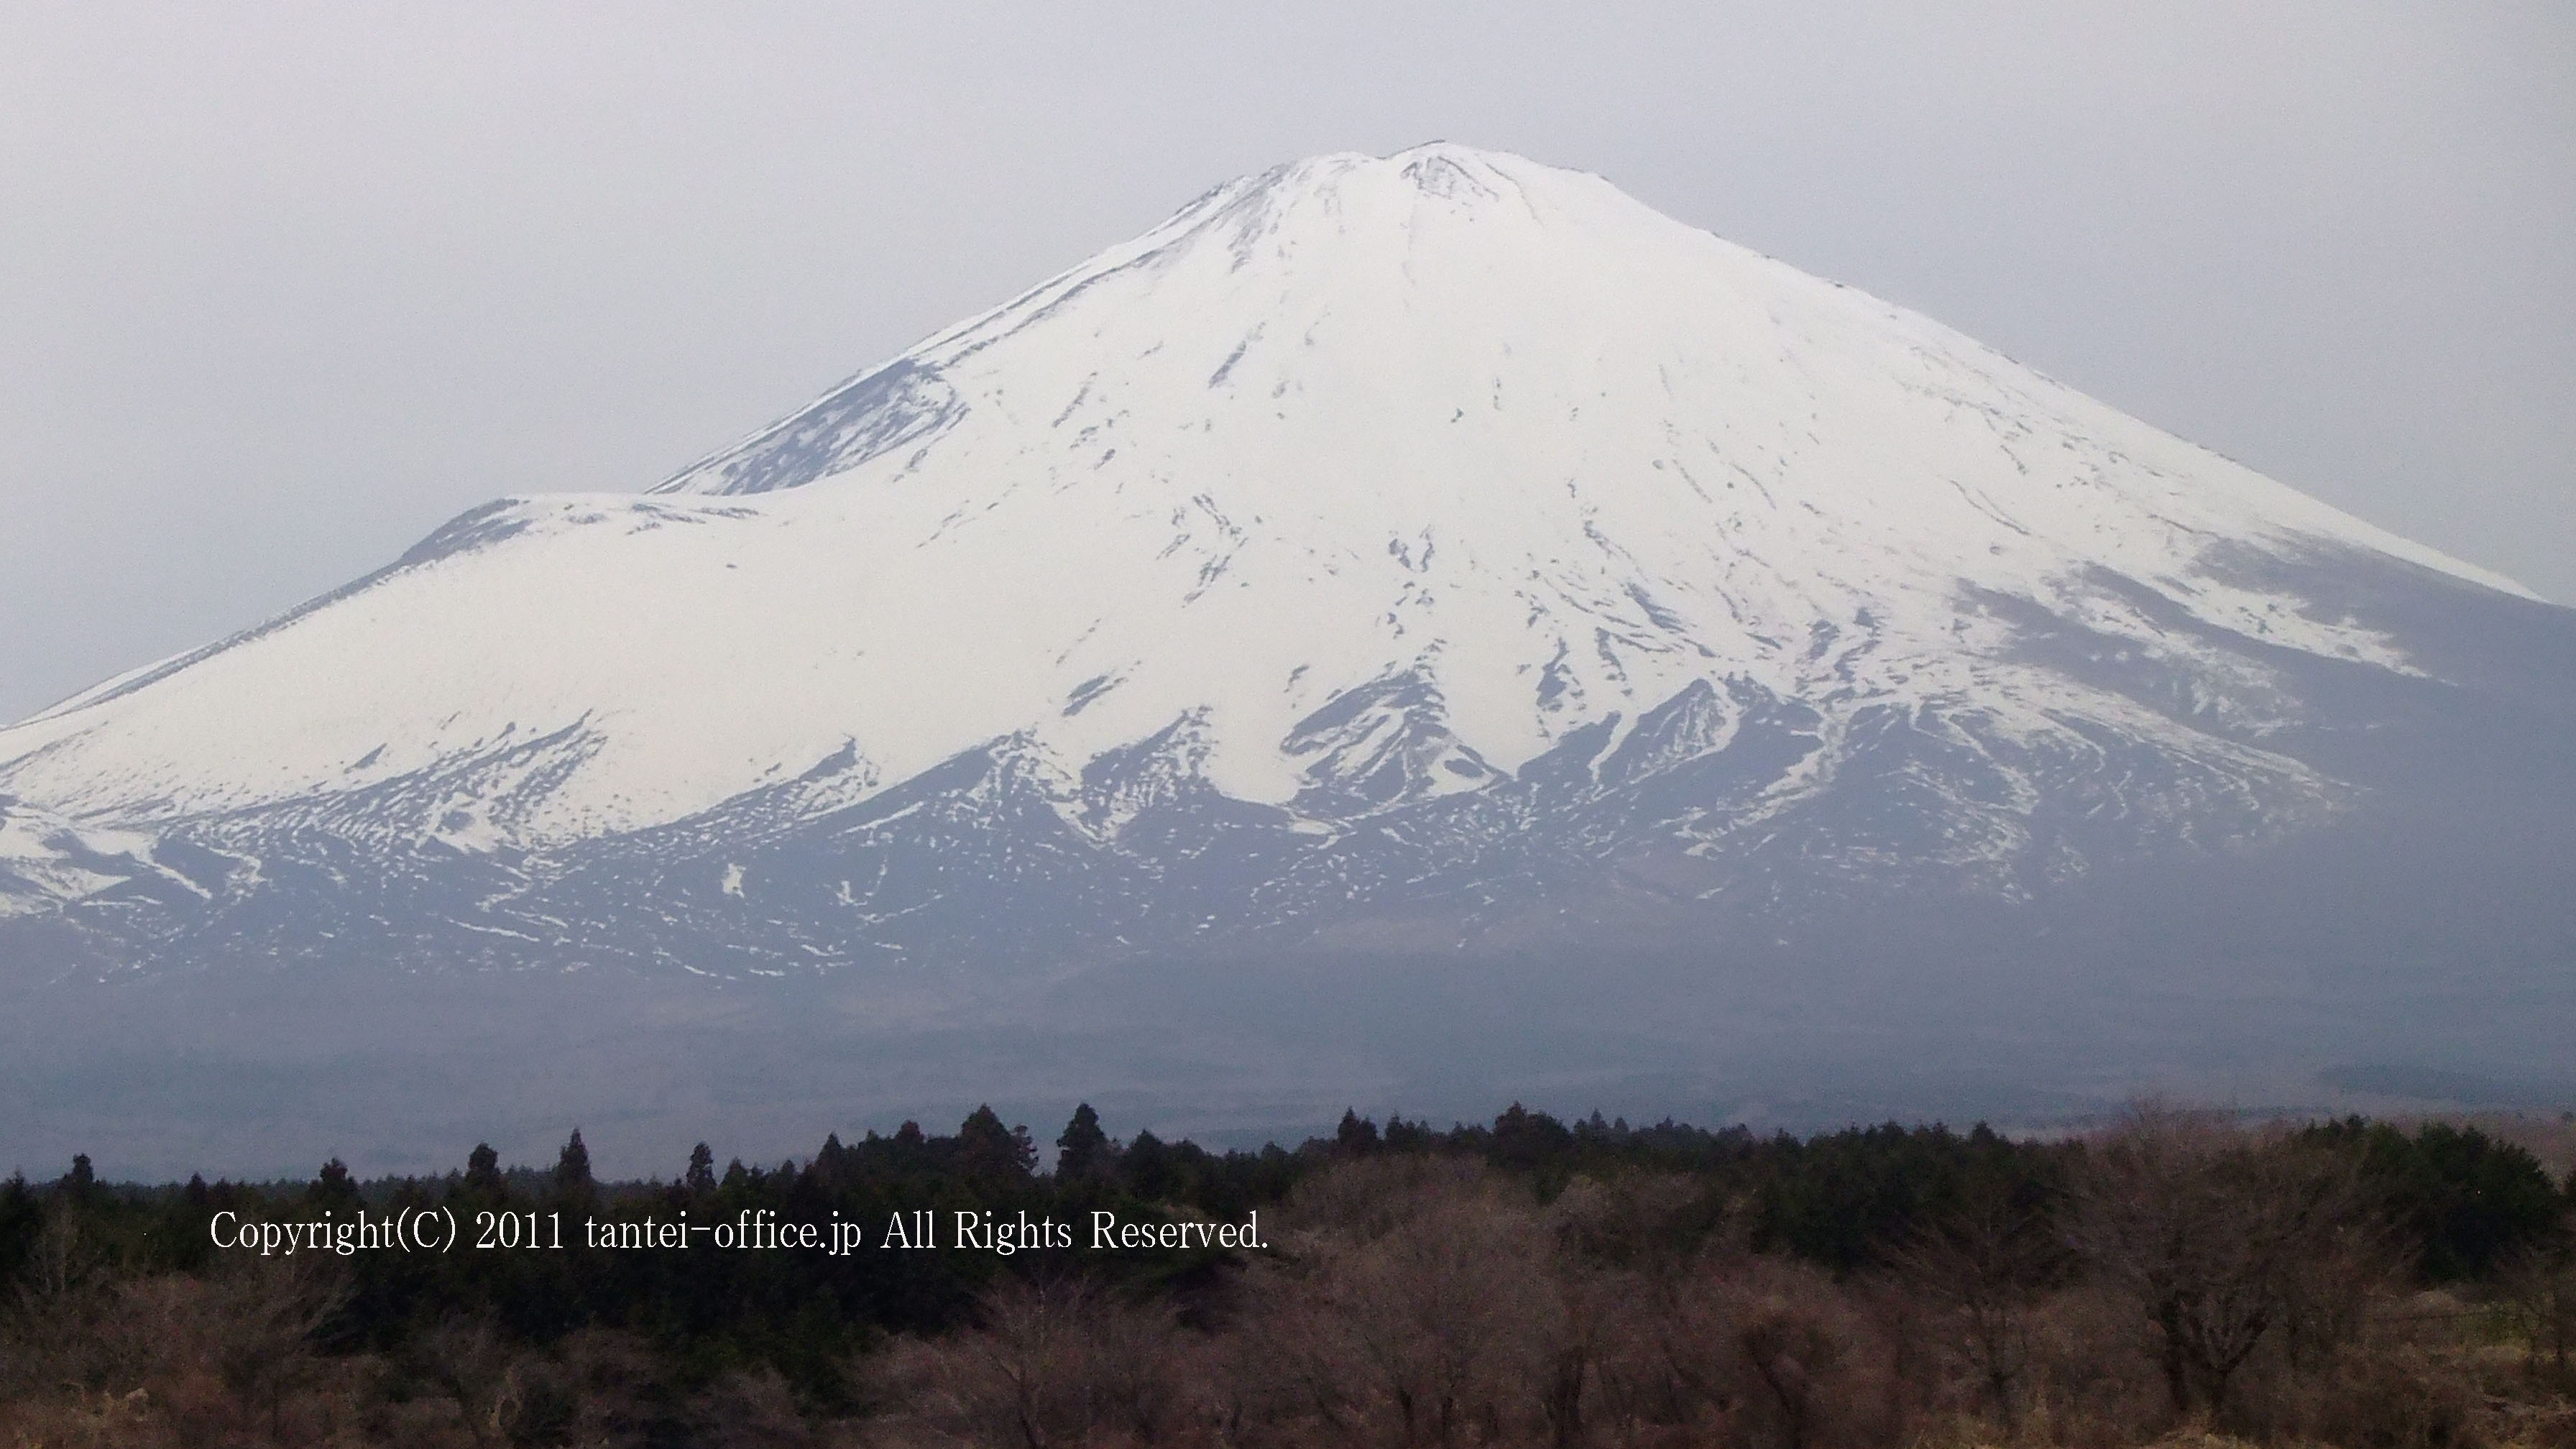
(483, 1171)
(835, 1166)
(1149, 1168)
(21, 1217)
(991, 1152)
(572, 1169)
(1357, 1135)
(1526, 1139)
(1084, 1152)
(332, 1188)
(702, 1171)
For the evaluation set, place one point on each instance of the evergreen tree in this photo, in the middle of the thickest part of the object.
(572, 1168)
(991, 1152)
(333, 1189)
(702, 1171)
(1526, 1139)
(483, 1171)
(1150, 1168)
(1403, 1136)
(1357, 1134)
(1084, 1152)
(21, 1218)
(78, 1182)
(2469, 1203)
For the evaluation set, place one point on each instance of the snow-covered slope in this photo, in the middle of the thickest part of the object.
(46, 860)
(1444, 498)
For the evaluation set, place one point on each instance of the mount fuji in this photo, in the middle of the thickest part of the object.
(1388, 568)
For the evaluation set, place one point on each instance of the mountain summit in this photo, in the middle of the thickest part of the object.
(1447, 425)
(1439, 549)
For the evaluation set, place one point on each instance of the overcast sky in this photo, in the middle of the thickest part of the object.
(283, 287)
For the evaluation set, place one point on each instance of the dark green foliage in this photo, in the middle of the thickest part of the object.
(2463, 1202)
(992, 1154)
(572, 1168)
(333, 1191)
(483, 1172)
(21, 1218)
(1150, 1169)
(1084, 1152)
(1851, 1201)
(1524, 1140)
(1847, 1200)
(1356, 1136)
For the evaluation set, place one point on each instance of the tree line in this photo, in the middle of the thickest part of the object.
(1525, 1280)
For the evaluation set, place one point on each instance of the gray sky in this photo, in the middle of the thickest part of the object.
(282, 287)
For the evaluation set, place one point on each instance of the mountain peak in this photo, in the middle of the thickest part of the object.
(1383, 562)
(1437, 238)
(1440, 169)
(1448, 417)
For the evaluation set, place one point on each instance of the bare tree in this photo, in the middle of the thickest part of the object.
(1758, 1350)
(471, 1361)
(63, 1263)
(1281, 1369)
(1421, 1302)
(2540, 1297)
(2208, 1233)
(751, 1409)
(1984, 1264)
(1028, 1347)
(56, 1327)
(1057, 1362)
(1619, 1241)
(268, 1310)
(1447, 1316)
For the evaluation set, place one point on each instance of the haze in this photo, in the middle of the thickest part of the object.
(283, 287)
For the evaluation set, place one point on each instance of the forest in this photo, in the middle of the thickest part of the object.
(2174, 1277)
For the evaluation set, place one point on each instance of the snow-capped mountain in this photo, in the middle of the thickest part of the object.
(1439, 549)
